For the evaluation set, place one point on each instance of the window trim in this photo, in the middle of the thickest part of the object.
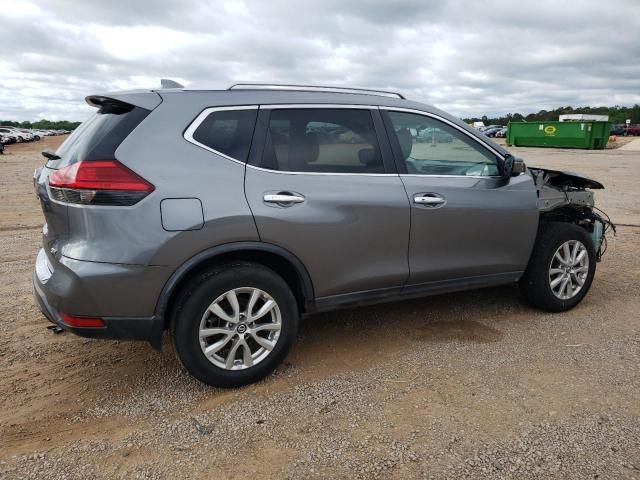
(193, 126)
(401, 165)
(384, 137)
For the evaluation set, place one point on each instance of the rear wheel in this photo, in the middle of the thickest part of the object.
(561, 267)
(235, 324)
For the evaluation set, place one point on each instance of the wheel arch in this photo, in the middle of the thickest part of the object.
(272, 256)
(581, 216)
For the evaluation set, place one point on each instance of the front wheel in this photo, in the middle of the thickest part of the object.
(235, 324)
(561, 267)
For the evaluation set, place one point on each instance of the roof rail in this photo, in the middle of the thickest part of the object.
(313, 88)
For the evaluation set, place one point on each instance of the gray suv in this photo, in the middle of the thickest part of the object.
(225, 215)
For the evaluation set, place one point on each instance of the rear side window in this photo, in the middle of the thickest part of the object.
(228, 132)
(99, 136)
(322, 140)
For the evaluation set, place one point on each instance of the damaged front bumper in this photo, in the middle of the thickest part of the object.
(564, 196)
(558, 188)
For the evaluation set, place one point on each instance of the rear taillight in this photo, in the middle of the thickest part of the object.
(82, 322)
(98, 182)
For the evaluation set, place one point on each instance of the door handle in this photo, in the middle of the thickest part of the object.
(432, 200)
(284, 199)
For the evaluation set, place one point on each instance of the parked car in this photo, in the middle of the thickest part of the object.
(22, 134)
(631, 129)
(1, 145)
(259, 223)
(26, 134)
(44, 133)
(491, 132)
(487, 127)
(14, 132)
(6, 138)
(502, 133)
(34, 134)
(617, 129)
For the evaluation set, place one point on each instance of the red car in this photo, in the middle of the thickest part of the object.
(632, 129)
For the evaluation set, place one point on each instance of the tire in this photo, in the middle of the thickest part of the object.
(279, 326)
(536, 283)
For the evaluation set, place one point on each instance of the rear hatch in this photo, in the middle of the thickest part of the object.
(93, 143)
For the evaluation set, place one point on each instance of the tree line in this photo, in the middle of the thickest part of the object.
(617, 114)
(43, 124)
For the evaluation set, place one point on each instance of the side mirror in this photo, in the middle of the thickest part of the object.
(518, 167)
(512, 166)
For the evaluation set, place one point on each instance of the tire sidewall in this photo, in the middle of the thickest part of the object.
(561, 233)
(202, 293)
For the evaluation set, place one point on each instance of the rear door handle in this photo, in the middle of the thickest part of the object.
(284, 199)
(432, 200)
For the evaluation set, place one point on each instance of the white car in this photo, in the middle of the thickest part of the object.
(18, 134)
(27, 134)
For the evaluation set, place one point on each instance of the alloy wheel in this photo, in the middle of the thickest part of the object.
(240, 328)
(568, 269)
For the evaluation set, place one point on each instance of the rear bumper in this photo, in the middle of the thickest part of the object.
(60, 289)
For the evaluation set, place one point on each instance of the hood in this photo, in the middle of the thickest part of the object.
(561, 178)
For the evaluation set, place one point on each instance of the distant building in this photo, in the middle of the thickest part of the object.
(583, 117)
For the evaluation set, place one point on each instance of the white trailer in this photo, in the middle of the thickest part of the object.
(583, 117)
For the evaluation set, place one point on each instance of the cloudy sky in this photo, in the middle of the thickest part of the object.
(470, 58)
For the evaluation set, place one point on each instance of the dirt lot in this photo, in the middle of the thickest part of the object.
(473, 385)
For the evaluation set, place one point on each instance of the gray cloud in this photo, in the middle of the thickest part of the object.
(470, 58)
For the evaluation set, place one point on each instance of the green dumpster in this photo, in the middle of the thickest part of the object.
(559, 134)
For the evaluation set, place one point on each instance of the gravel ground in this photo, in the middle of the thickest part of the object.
(471, 385)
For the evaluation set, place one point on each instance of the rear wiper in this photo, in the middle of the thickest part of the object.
(50, 156)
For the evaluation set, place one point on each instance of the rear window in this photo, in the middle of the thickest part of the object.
(98, 137)
(228, 132)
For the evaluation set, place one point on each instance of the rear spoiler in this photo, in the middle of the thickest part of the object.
(122, 102)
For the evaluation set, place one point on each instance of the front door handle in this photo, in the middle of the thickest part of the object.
(284, 199)
(432, 200)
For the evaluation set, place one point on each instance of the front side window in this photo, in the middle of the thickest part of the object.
(228, 132)
(322, 140)
(431, 147)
